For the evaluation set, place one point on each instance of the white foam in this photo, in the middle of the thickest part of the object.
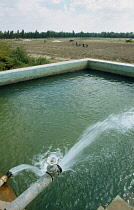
(121, 123)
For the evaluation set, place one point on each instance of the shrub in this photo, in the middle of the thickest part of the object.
(130, 40)
(20, 57)
(6, 62)
(17, 58)
(39, 61)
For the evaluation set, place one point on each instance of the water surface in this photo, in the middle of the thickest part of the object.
(50, 115)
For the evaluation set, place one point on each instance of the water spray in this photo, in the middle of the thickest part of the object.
(53, 170)
(5, 178)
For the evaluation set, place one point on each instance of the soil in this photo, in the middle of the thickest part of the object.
(63, 49)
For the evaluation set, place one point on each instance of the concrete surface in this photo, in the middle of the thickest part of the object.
(112, 67)
(117, 204)
(3, 205)
(29, 73)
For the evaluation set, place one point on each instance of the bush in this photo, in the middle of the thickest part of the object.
(6, 62)
(20, 57)
(17, 58)
(130, 40)
(39, 61)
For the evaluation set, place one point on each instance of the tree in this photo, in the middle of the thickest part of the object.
(1, 35)
(36, 34)
(11, 34)
(73, 34)
(22, 34)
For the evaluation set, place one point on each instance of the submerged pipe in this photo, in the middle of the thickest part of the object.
(5, 178)
(53, 170)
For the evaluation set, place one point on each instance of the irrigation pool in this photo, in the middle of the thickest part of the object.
(87, 119)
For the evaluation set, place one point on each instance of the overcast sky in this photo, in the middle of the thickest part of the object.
(67, 15)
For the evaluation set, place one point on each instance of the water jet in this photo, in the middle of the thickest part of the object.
(53, 112)
(53, 170)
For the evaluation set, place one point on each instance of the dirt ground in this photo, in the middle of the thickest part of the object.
(63, 49)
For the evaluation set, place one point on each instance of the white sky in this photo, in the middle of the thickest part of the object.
(67, 15)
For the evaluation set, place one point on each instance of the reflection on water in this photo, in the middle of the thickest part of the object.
(49, 115)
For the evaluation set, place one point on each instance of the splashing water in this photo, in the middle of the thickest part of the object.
(121, 123)
(40, 165)
(22, 167)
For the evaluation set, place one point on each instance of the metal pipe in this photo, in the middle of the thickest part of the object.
(26, 197)
(5, 178)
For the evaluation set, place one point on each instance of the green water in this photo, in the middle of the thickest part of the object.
(49, 115)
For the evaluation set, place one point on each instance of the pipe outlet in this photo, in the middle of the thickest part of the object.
(5, 178)
(53, 169)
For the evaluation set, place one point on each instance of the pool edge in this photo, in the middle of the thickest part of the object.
(34, 72)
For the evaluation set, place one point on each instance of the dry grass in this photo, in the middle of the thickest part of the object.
(106, 49)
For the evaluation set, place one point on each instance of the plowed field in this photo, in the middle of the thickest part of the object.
(63, 49)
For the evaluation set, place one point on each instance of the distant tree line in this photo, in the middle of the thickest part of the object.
(52, 34)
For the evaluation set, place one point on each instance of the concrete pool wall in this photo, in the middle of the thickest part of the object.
(29, 73)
